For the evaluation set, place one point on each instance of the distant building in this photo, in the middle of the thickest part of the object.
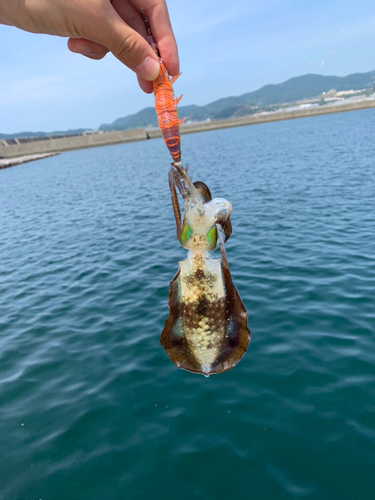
(349, 92)
(330, 93)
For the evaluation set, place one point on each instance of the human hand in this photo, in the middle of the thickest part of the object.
(96, 27)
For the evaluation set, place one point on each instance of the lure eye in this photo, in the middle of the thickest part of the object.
(185, 233)
(212, 237)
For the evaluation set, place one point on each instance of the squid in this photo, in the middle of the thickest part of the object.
(206, 331)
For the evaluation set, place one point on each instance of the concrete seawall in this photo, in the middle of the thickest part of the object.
(18, 148)
(12, 162)
(69, 143)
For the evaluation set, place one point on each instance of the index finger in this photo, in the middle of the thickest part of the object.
(157, 13)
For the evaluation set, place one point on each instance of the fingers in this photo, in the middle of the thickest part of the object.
(133, 18)
(87, 48)
(132, 50)
(157, 13)
(131, 15)
(111, 32)
(124, 34)
(145, 85)
(95, 51)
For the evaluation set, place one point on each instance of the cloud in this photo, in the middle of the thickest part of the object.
(44, 88)
(207, 24)
(364, 27)
(189, 21)
(36, 88)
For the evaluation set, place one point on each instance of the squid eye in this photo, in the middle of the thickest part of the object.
(185, 233)
(212, 237)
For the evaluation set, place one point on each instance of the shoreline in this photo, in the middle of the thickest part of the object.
(26, 148)
(12, 162)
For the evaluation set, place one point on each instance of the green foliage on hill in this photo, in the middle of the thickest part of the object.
(294, 89)
(44, 134)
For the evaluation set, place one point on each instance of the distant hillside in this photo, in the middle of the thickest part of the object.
(44, 134)
(295, 89)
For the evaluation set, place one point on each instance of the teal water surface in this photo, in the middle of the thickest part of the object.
(92, 408)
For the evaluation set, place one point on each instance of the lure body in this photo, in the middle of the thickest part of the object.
(166, 112)
(206, 331)
(166, 103)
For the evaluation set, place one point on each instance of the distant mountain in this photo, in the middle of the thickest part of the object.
(295, 89)
(57, 133)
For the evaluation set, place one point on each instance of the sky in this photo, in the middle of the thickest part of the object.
(226, 48)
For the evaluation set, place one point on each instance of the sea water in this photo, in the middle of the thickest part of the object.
(91, 407)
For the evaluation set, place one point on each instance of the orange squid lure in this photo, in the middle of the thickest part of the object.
(166, 103)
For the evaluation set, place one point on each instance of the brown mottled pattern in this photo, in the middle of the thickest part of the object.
(238, 334)
(227, 334)
(173, 338)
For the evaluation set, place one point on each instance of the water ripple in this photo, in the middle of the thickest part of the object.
(91, 407)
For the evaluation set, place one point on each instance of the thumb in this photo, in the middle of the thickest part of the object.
(128, 46)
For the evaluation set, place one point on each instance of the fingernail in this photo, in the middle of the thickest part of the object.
(149, 69)
(82, 48)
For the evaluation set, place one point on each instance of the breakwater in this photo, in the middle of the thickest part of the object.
(17, 160)
(28, 146)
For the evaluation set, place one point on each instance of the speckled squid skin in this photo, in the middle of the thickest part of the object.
(202, 302)
(206, 331)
